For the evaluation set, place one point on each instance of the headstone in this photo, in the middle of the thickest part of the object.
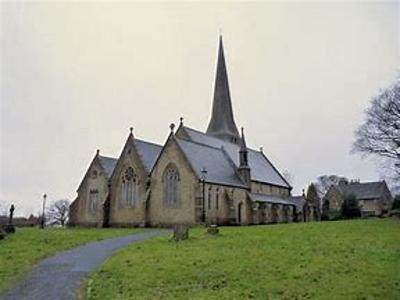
(181, 232)
(9, 229)
(2, 233)
(213, 229)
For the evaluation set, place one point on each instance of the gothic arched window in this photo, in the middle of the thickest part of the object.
(93, 200)
(171, 185)
(129, 187)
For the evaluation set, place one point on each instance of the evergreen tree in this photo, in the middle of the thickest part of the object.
(396, 202)
(350, 207)
(325, 210)
(314, 201)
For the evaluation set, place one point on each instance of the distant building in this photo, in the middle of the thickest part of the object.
(374, 197)
(21, 221)
(195, 177)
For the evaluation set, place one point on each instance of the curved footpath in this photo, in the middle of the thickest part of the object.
(60, 276)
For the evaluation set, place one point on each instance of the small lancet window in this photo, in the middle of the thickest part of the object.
(209, 198)
(93, 200)
(171, 185)
(129, 187)
(217, 199)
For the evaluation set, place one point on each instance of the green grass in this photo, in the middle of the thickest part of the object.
(19, 252)
(323, 260)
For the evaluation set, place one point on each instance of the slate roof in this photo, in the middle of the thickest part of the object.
(299, 201)
(215, 160)
(270, 199)
(262, 169)
(108, 163)
(365, 190)
(148, 153)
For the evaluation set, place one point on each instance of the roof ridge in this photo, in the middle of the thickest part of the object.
(109, 157)
(219, 140)
(210, 136)
(198, 143)
(276, 170)
(147, 142)
(365, 182)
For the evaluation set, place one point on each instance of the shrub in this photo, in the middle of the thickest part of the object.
(325, 210)
(335, 215)
(350, 208)
(395, 213)
(396, 202)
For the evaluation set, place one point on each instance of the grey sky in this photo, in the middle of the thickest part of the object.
(75, 77)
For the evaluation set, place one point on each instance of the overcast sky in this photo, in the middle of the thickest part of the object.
(75, 77)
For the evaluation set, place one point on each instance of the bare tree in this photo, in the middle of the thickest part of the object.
(57, 213)
(379, 135)
(288, 177)
(3, 208)
(324, 182)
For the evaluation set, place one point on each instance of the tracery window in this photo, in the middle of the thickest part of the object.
(171, 185)
(129, 187)
(93, 200)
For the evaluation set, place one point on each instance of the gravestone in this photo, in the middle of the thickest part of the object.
(213, 230)
(2, 233)
(181, 232)
(9, 229)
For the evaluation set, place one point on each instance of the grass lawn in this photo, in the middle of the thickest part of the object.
(22, 250)
(323, 260)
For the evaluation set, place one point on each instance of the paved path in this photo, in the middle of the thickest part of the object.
(60, 276)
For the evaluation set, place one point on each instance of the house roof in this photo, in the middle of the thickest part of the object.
(262, 169)
(363, 190)
(219, 169)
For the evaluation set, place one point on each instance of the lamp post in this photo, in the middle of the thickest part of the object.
(203, 181)
(43, 223)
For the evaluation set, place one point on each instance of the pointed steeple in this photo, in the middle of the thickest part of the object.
(222, 125)
(244, 168)
(243, 153)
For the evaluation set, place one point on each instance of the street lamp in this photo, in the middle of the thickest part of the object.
(43, 223)
(203, 181)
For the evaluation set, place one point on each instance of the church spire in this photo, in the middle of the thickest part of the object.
(222, 125)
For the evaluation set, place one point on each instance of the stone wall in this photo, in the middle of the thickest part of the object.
(183, 212)
(267, 189)
(95, 179)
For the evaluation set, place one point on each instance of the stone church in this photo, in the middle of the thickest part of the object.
(194, 178)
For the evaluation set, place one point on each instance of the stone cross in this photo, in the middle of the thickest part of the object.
(10, 219)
